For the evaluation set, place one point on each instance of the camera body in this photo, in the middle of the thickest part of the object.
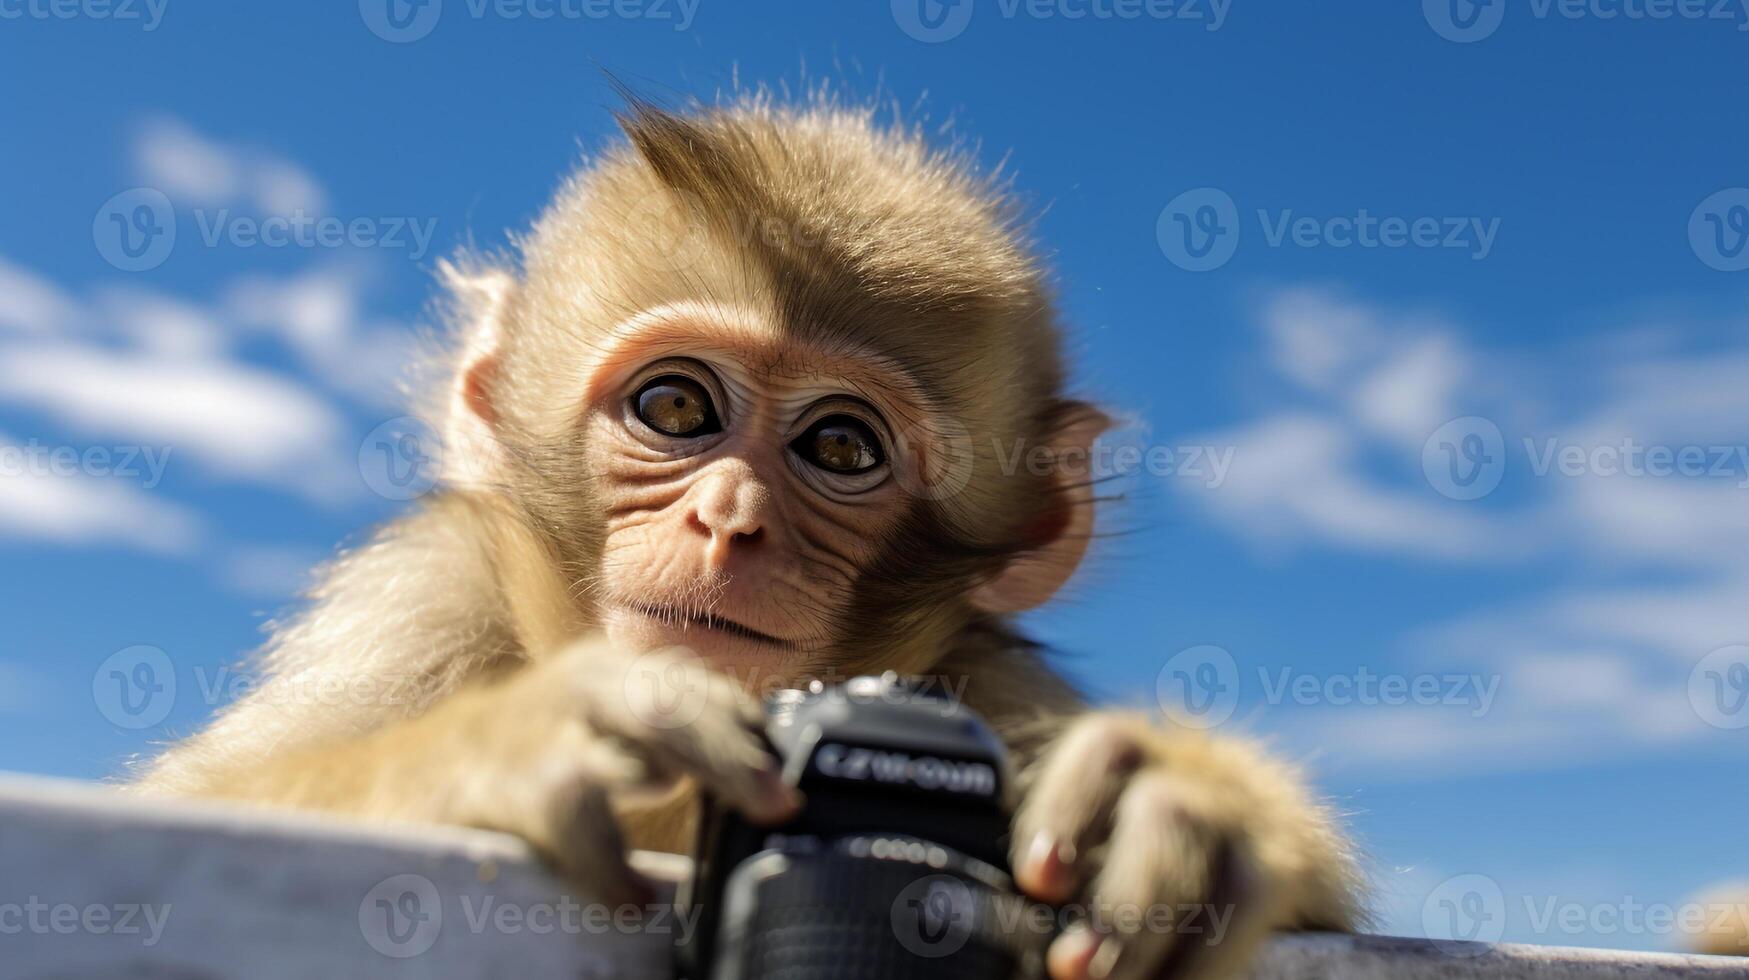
(897, 865)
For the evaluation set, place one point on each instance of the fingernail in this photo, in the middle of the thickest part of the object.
(1105, 959)
(1047, 851)
(1047, 865)
(1068, 957)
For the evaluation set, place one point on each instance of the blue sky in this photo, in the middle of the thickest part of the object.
(1469, 439)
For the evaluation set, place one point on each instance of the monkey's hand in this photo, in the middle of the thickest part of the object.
(1179, 852)
(547, 753)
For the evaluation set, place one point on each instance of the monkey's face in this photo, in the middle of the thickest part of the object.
(763, 390)
(746, 481)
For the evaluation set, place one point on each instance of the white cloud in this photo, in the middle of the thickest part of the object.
(1645, 574)
(89, 510)
(1295, 479)
(317, 315)
(122, 365)
(241, 422)
(162, 325)
(1410, 393)
(158, 370)
(200, 171)
(32, 304)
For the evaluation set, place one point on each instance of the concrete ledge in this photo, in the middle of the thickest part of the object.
(95, 884)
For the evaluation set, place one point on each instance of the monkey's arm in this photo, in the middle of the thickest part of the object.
(403, 694)
(390, 629)
(537, 753)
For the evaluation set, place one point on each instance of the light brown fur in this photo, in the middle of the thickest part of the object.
(801, 247)
(1724, 921)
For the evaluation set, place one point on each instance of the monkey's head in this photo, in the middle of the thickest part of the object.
(781, 386)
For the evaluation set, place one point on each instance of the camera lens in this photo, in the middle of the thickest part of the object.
(870, 907)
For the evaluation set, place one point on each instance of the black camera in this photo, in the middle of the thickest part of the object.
(896, 867)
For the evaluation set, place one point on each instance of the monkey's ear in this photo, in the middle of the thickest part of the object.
(1058, 539)
(472, 454)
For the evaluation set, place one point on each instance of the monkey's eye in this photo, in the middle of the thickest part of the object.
(840, 444)
(675, 405)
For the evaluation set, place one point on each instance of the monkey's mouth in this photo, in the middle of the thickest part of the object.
(669, 616)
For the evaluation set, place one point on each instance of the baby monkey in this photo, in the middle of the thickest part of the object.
(745, 414)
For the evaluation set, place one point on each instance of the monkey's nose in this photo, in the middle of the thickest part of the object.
(721, 543)
(728, 508)
(729, 531)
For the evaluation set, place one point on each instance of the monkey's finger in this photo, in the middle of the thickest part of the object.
(1171, 900)
(731, 765)
(1068, 809)
(1071, 954)
(587, 847)
(681, 718)
(718, 751)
